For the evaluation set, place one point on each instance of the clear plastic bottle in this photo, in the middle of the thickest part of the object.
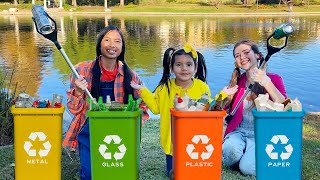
(44, 24)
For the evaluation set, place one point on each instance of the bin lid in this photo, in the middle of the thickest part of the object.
(114, 114)
(199, 114)
(285, 114)
(36, 111)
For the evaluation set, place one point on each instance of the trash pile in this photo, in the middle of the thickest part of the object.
(24, 100)
(263, 103)
(185, 103)
(133, 105)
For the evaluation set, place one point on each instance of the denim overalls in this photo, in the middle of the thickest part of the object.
(106, 88)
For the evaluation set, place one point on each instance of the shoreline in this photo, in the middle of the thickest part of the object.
(58, 11)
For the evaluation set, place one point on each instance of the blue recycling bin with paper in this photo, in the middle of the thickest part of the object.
(278, 138)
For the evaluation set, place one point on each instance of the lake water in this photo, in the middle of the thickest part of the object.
(40, 69)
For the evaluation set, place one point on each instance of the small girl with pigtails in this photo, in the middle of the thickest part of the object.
(190, 72)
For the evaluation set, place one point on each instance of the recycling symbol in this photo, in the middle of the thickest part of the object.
(204, 155)
(284, 140)
(108, 155)
(33, 152)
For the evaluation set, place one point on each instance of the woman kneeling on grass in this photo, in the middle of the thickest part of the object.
(238, 149)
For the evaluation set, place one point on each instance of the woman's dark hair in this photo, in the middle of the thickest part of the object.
(168, 62)
(95, 90)
(258, 89)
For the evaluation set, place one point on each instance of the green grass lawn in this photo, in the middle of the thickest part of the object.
(201, 8)
(153, 159)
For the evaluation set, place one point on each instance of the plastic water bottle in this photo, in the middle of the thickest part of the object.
(41, 18)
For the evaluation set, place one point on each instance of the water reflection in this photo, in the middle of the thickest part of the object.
(41, 70)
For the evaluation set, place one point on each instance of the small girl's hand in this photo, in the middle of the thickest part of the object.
(231, 90)
(134, 85)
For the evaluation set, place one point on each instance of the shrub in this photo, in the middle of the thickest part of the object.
(6, 118)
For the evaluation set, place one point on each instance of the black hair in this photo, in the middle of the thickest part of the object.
(168, 62)
(96, 71)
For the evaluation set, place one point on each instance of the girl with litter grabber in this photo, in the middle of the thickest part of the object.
(190, 72)
(108, 75)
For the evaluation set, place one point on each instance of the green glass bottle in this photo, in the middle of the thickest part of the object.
(283, 30)
(130, 103)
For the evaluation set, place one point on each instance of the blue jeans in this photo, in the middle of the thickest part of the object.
(237, 148)
(169, 164)
(84, 152)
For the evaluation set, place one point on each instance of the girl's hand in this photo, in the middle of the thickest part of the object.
(134, 85)
(260, 76)
(80, 85)
(231, 90)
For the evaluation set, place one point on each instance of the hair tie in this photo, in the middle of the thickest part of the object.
(260, 56)
(236, 65)
(187, 48)
(170, 56)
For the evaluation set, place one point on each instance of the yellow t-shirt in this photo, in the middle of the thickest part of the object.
(161, 103)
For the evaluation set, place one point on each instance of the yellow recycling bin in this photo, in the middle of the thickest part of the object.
(37, 143)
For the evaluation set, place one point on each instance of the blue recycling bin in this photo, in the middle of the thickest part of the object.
(278, 138)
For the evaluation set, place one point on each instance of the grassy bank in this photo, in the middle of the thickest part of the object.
(203, 8)
(153, 162)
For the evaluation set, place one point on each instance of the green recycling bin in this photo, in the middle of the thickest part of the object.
(115, 144)
(278, 137)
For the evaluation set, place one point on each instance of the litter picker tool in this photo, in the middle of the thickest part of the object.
(282, 31)
(47, 27)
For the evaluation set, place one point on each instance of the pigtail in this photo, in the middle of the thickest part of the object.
(166, 63)
(233, 81)
(202, 68)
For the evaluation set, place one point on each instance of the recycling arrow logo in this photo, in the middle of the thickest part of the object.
(204, 155)
(284, 140)
(108, 155)
(33, 152)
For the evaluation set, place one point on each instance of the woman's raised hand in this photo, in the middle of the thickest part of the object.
(134, 85)
(260, 76)
(231, 90)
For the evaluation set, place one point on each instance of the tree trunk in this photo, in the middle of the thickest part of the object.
(290, 7)
(33, 1)
(105, 4)
(290, 4)
(121, 3)
(60, 5)
(74, 3)
(15, 2)
(45, 4)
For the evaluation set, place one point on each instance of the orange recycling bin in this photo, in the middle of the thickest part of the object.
(37, 143)
(197, 144)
